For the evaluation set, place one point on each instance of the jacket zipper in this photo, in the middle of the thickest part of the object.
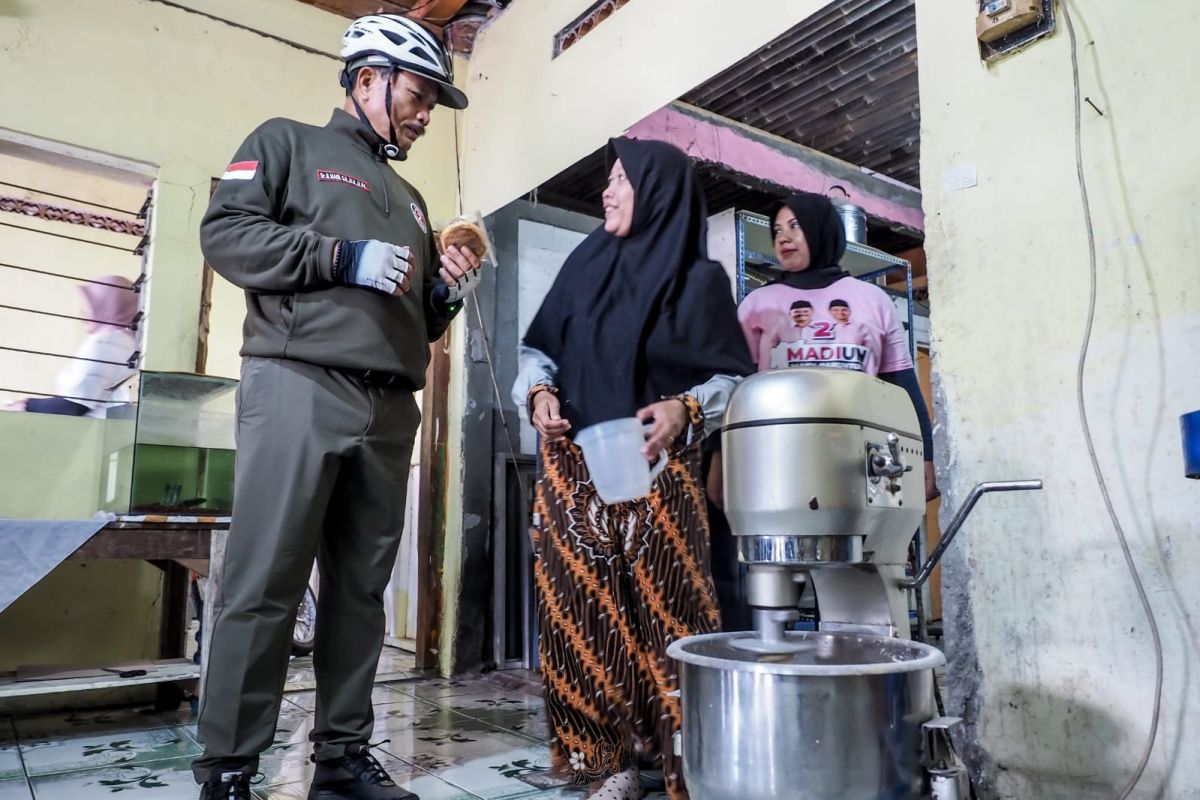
(294, 310)
(387, 206)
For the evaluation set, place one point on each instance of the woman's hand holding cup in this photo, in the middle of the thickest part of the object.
(666, 419)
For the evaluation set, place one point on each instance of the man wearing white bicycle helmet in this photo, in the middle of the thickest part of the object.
(389, 43)
(344, 292)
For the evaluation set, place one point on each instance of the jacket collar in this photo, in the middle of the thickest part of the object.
(356, 131)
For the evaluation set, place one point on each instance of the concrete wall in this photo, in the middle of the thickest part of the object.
(554, 111)
(1051, 659)
(723, 245)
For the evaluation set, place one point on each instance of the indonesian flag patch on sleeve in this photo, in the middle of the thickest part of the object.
(240, 171)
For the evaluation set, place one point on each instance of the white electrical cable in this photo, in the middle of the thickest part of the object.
(1087, 431)
(487, 352)
(487, 344)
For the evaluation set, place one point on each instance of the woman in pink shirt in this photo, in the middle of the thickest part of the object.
(816, 315)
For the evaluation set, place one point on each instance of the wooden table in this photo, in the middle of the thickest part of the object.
(174, 544)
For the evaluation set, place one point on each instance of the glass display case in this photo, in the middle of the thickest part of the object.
(172, 451)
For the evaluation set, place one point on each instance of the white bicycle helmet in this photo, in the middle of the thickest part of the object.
(383, 40)
(398, 43)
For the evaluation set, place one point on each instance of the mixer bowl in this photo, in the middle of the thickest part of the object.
(838, 716)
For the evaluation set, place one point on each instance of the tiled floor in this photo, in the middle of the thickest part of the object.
(447, 740)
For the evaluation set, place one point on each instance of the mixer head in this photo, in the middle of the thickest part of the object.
(821, 466)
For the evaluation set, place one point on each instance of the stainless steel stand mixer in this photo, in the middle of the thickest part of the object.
(823, 486)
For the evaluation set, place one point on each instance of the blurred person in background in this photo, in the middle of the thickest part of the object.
(95, 378)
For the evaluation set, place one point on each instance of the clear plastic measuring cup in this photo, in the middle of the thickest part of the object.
(613, 453)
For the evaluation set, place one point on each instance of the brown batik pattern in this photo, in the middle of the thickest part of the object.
(616, 585)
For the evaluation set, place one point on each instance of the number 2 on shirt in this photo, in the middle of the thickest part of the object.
(823, 330)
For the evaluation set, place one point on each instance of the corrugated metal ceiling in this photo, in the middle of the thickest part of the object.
(844, 82)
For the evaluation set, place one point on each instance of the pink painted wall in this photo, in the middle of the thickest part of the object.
(720, 144)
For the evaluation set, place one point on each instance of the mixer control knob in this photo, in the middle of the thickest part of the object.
(894, 448)
(889, 464)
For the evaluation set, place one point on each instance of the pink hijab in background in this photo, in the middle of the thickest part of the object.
(98, 375)
(115, 304)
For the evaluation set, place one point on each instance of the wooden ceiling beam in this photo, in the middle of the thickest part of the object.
(434, 12)
(359, 8)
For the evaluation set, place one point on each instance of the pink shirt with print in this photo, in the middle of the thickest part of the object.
(871, 339)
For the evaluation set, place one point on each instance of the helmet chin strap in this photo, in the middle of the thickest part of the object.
(390, 150)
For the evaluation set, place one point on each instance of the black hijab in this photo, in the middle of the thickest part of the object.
(631, 320)
(826, 239)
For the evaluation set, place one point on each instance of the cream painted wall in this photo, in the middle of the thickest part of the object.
(99, 612)
(1050, 654)
(531, 116)
(73, 617)
(52, 465)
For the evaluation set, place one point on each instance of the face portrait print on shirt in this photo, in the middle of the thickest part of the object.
(846, 330)
(821, 337)
(797, 327)
(848, 324)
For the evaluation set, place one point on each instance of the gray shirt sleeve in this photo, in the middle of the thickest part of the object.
(713, 397)
(533, 367)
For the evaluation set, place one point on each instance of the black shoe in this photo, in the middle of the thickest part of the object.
(652, 780)
(230, 786)
(355, 776)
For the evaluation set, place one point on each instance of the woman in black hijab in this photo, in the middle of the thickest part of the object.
(640, 322)
(817, 314)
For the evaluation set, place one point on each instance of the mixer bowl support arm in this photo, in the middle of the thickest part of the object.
(959, 518)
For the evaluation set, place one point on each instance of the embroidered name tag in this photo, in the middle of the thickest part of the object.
(329, 176)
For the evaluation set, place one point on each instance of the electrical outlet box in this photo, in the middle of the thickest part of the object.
(999, 18)
(1002, 12)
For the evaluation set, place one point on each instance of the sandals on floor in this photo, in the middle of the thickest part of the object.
(626, 785)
